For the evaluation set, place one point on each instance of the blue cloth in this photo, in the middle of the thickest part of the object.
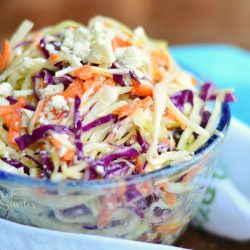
(225, 65)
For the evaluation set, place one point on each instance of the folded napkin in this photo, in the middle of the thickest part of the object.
(20, 237)
(225, 210)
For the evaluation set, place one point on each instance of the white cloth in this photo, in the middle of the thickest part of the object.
(225, 210)
(14, 236)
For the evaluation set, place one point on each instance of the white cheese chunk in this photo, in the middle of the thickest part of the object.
(101, 46)
(59, 103)
(4, 102)
(6, 89)
(132, 57)
(52, 90)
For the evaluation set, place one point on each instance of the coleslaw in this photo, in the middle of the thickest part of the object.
(97, 102)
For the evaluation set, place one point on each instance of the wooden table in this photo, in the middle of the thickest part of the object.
(197, 240)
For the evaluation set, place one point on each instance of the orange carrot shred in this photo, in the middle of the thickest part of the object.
(141, 90)
(69, 155)
(172, 116)
(75, 88)
(4, 57)
(84, 72)
(120, 43)
(160, 58)
(170, 198)
(53, 58)
(15, 126)
(131, 107)
(138, 165)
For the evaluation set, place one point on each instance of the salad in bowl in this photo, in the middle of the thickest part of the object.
(104, 132)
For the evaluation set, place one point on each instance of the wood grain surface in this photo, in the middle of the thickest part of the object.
(178, 21)
(198, 240)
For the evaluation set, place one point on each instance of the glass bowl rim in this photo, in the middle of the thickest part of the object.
(168, 170)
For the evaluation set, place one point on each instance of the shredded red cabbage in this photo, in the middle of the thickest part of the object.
(132, 193)
(116, 169)
(78, 128)
(12, 100)
(26, 140)
(23, 44)
(163, 147)
(182, 97)
(119, 79)
(205, 115)
(98, 122)
(77, 210)
(144, 145)
(17, 164)
(56, 44)
(47, 164)
(207, 91)
(120, 153)
(42, 45)
(230, 98)
(35, 86)
(133, 75)
(33, 159)
(47, 77)
(66, 80)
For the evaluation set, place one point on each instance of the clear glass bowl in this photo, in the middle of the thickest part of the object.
(153, 207)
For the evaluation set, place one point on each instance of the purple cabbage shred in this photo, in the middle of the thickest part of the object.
(26, 140)
(78, 128)
(98, 122)
(182, 97)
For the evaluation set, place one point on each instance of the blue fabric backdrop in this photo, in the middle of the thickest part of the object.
(225, 65)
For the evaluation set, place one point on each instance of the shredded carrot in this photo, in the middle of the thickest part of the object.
(173, 228)
(15, 126)
(9, 109)
(42, 85)
(60, 115)
(138, 165)
(68, 156)
(173, 117)
(36, 38)
(39, 191)
(131, 107)
(84, 72)
(75, 88)
(4, 57)
(56, 144)
(191, 173)
(73, 27)
(97, 82)
(165, 141)
(160, 58)
(194, 81)
(108, 206)
(109, 82)
(92, 83)
(7, 119)
(120, 43)
(121, 189)
(53, 58)
(42, 107)
(141, 90)
(170, 198)
(145, 188)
